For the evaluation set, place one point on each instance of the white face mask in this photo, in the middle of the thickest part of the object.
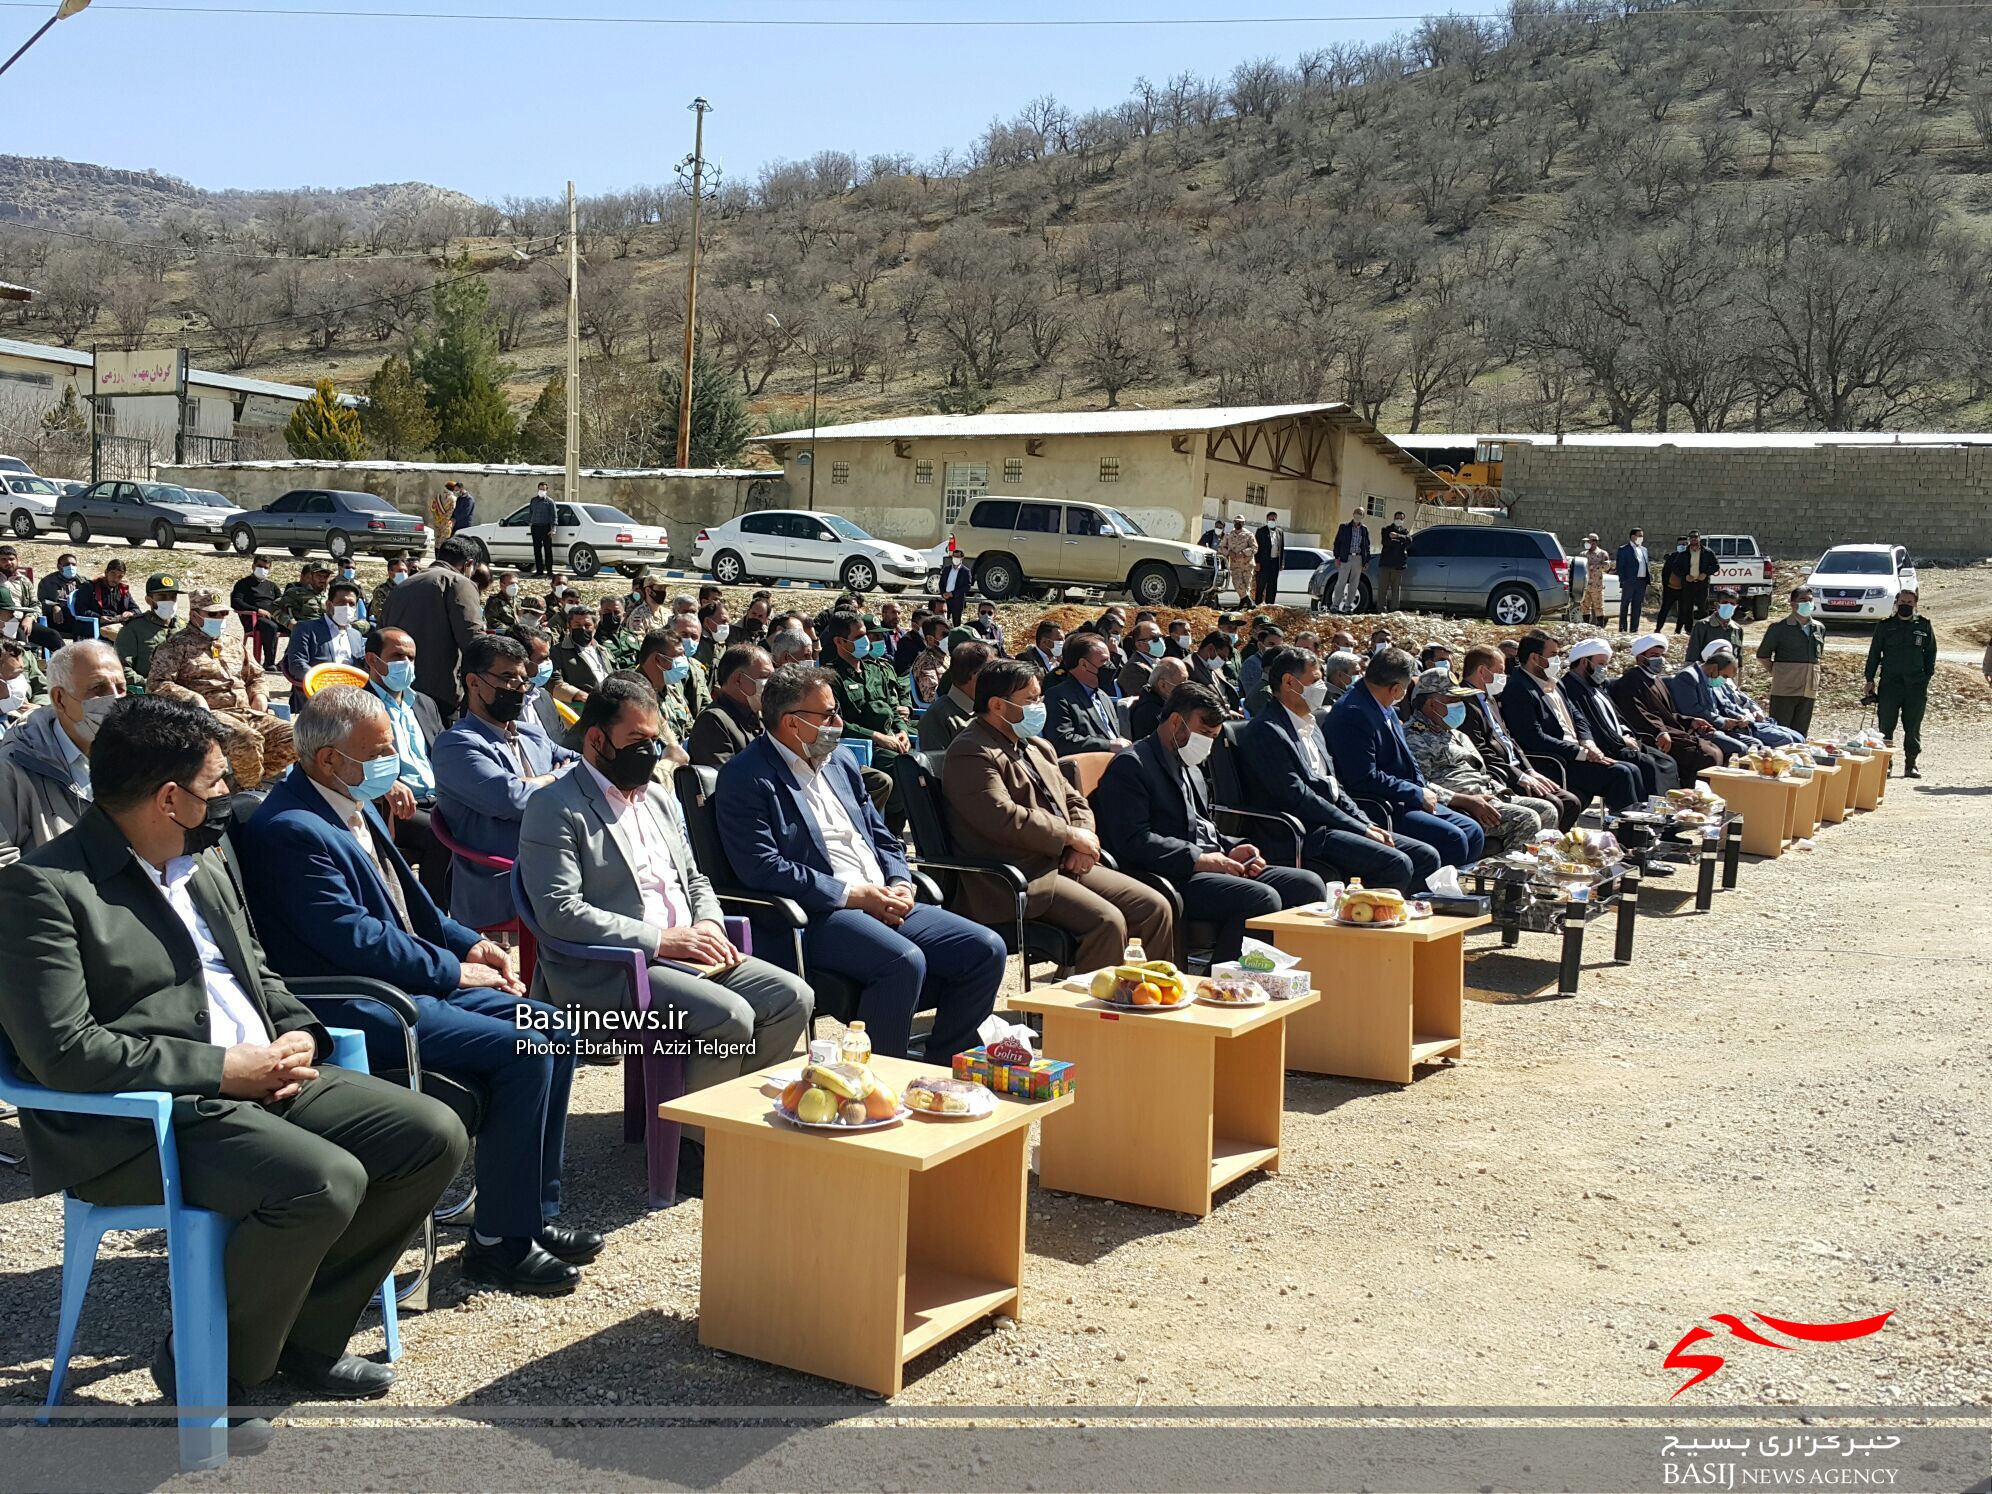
(1197, 748)
(11, 628)
(1496, 685)
(344, 616)
(510, 589)
(166, 611)
(260, 572)
(1555, 667)
(722, 632)
(1314, 694)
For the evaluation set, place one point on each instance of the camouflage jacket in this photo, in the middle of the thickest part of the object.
(299, 604)
(190, 665)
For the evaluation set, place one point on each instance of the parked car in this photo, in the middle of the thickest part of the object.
(343, 523)
(16, 466)
(797, 544)
(30, 503)
(1744, 566)
(69, 486)
(1858, 583)
(135, 512)
(1042, 544)
(585, 534)
(1297, 567)
(1510, 576)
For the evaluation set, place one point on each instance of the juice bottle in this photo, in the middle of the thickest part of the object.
(856, 1046)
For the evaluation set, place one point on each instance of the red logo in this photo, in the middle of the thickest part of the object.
(1705, 1365)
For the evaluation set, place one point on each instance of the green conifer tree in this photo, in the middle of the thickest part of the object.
(397, 418)
(456, 362)
(324, 429)
(721, 426)
(543, 437)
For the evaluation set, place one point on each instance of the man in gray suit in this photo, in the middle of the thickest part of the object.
(603, 855)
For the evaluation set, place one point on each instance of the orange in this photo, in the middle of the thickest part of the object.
(881, 1103)
(1147, 995)
(792, 1094)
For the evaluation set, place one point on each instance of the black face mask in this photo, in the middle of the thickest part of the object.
(214, 824)
(629, 766)
(1901, 611)
(506, 705)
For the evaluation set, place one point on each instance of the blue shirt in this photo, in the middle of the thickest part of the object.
(416, 770)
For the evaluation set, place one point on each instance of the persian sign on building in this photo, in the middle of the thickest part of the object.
(148, 371)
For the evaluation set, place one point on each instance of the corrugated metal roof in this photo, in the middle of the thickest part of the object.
(207, 379)
(1703, 440)
(12, 292)
(489, 469)
(1052, 423)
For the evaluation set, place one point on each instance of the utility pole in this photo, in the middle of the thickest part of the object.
(572, 489)
(700, 108)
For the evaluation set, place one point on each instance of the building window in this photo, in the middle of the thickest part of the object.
(923, 471)
(1373, 506)
(1109, 469)
(1255, 493)
(1013, 469)
(840, 472)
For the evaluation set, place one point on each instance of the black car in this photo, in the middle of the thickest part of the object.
(343, 523)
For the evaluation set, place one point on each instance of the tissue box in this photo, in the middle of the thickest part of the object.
(1281, 985)
(1040, 1079)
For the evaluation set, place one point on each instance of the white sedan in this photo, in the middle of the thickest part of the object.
(586, 537)
(1858, 583)
(795, 544)
(30, 504)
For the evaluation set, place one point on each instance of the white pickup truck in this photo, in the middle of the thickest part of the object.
(1744, 566)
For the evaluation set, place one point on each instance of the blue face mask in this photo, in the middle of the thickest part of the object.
(1726, 611)
(1456, 715)
(377, 776)
(1033, 723)
(861, 649)
(677, 672)
(399, 676)
(1157, 647)
(212, 626)
(542, 674)
(69, 573)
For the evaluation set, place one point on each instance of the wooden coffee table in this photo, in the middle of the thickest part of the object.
(1835, 786)
(1392, 998)
(1870, 780)
(1176, 1104)
(845, 1256)
(1766, 805)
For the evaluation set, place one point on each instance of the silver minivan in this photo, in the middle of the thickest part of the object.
(1509, 576)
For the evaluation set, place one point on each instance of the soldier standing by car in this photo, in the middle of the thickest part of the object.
(1242, 551)
(1904, 653)
(1392, 562)
(1793, 647)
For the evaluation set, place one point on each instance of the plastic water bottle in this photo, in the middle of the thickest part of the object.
(1134, 954)
(856, 1046)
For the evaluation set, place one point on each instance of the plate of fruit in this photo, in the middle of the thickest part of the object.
(1368, 909)
(949, 1099)
(839, 1097)
(1152, 986)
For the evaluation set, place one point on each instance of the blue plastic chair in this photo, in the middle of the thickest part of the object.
(859, 749)
(653, 1078)
(69, 603)
(195, 1242)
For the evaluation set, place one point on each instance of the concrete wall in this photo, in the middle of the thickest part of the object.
(682, 502)
(1937, 500)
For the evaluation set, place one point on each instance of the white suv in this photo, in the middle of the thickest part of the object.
(1858, 583)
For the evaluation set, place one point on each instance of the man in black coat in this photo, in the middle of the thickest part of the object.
(1584, 686)
(1160, 824)
(1539, 718)
(1079, 713)
(1272, 555)
(957, 580)
(441, 611)
(1479, 669)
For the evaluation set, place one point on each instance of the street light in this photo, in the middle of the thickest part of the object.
(63, 12)
(814, 367)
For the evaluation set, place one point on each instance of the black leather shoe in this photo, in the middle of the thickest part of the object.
(1911, 772)
(247, 1435)
(691, 1169)
(1658, 869)
(346, 1378)
(575, 1246)
(518, 1265)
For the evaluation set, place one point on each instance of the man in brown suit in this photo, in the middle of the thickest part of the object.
(441, 611)
(1648, 711)
(1007, 799)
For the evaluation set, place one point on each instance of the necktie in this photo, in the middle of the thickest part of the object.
(364, 829)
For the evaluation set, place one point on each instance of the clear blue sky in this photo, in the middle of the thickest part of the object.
(490, 108)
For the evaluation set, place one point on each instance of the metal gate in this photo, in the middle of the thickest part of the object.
(121, 456)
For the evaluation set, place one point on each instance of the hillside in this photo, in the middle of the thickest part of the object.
(1570, 218)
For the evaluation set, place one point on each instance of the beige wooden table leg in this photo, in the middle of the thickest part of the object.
(804, 1259)
(1805, 807)
(1871, 778)
(1141, 1132)
(965, 1238)
(1250, 1075)
(1886, 757)
(1362, 1027)
(1833, 792)
(1438, 1000)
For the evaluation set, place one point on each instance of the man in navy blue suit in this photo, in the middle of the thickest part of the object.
(798, 823)
(328, 639)
(1373, 757)
(1635, 573)
(331, 896)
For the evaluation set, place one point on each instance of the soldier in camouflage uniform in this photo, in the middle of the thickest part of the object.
(501, 608)
(198, 666)
(397, 572)
(617, 641)
(303, 600)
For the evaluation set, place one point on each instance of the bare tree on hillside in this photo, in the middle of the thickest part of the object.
(1851, 335)
(236, 305)
(133, 300)
(72, 292)
(1115, 348)
(608, 304)
(1439, 354)
(982, 291)
(513, 303)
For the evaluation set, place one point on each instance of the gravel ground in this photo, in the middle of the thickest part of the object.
(1778, 1107)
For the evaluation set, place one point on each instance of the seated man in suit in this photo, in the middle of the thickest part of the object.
(332, 638)
(1007, 800)
(725, 727)
(1285, 768)
(1483, 671)
(797, 823)
(954, 707)
(127, 962)
(1374, 758)
(1746, 717)
(603, 856)
(487, 766)
(333, 896)
(1160, 823)
(1543, 722)
(1692, 691)
(1164, 680)
(1648, 711)
(1583, 686)
(1079, 712)
(577, 658)
(1046, 648)
(416, 723)
(1210, 666)
(1145, 645)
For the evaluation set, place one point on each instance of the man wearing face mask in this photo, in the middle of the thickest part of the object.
(733, 720)
(1544, 724)
(715, 627)
(416, 723)
(615, 640)
(201, 663)
(441, 611)
(1649, 713)
(1210, 666)
(139, 639)
(397, 572)
(1904, 654)
(501, 608)
(1339, 671)
(1080, 714)
(45, 759)
(577, 658)
(680, 687)
(954, 706)
(1163, 682)
(255, 599)
(334, 638)
(1586, 687)
(1145, 646)
(487, 767)
(127, 962)
(1482, 672)
(1693, 691)
(1162, 825)
(1449, 760)
(871, 698)
(1719, 626)
(52, 595)
(541, 515)
(1007, 800)
(332, 896)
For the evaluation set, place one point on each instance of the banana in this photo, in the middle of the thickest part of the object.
(844, 1080)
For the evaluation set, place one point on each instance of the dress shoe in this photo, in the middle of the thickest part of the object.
(345, 1378)
(518, 1265)
(691, 1169)
(1657, 869)
(247, 1435)
(575, 1246)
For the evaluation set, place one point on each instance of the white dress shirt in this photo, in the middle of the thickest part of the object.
(347, 645)
(1313, 750)
(643, 841)
(232, 1016)
(347, 808)
(852, 860)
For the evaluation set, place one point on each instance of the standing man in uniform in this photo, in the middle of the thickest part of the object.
(1391, 564)
(1270, 557)
(1352, 553)
(1719, 626)
(540, 517)
(1793, 647)
(1241, 550)
(1904, 652)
